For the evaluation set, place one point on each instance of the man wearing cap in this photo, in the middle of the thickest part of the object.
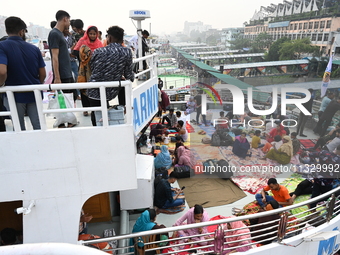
(21, 63)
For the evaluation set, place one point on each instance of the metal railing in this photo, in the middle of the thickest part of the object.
(39, 88)
(286, 226)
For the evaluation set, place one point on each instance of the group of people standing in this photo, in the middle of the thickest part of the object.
(22, 64)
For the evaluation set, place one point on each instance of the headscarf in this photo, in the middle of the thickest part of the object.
(163, 158)
(86, 40)
(184, 156)
(230, 235)
(85, 55)
(288, 146)
(143, 223)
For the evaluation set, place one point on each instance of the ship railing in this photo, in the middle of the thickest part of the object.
(278, 230)
(152, 66)
(38, 89)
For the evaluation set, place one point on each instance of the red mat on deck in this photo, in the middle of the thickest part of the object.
(307, 143)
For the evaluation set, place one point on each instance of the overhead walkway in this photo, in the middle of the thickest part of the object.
(234, 56)
(264, 64)
(214, 52)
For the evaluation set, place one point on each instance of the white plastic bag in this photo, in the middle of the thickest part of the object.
(64, 117)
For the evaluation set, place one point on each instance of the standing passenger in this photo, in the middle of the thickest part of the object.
(111, 63)
(61, 64)
(21, 63)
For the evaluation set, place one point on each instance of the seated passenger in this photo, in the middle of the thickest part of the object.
(194, 215)
(191, 106)
(238, 231)
(284, 154)
(276, 144)
(241, 146)
(303, 188)
(146, 221)
(182, 132)
(279, 130)
(280, 194)
(171, 119)
(324, 139)
(269, 229)
(163, 159)
(222, 122)
(184, 157)
(256, 140)
(165, 195)
(295, 142)
(156, 132)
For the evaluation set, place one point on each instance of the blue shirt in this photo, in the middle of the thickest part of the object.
(23, 61)
(324, 103)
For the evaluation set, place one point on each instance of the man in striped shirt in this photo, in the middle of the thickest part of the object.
(111, 63)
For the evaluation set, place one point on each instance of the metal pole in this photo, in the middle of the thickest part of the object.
(124, 222)
(40, 108)
(14, 111)
(139, 32)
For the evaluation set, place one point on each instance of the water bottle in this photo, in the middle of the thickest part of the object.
(61, 100)
(153, 141)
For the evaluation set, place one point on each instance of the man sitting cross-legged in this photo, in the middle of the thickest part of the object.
(281, 194)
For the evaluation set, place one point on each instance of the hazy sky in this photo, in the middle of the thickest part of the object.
(166, 16)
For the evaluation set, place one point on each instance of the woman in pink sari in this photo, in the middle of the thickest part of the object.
(195, 215)
(184, 157)
(237, 228)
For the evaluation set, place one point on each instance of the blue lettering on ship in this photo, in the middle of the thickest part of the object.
(140, 12)
(329, 246)
(145, 106)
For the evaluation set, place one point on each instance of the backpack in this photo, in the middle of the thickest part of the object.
(184, 171)
(215, 139)
(224, 172)
(208, 164)
(162, 172)
(225, 138)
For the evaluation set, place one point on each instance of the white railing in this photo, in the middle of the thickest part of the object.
(37, 89)
(322, 215)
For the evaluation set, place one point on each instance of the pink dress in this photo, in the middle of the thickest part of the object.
(189, 218)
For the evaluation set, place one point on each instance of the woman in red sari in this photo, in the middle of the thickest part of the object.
(279, 130)
(84, 49)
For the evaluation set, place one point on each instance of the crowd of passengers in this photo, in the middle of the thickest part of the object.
(76, 56)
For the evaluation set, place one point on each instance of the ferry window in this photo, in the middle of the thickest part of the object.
(316, 24)
(325, 38)
(322, 24)
(295, 26)
(305, 25)
(320, 37)
(328, 25)
(313, 37)
(300, 25)
(291, 26)
(310, 26)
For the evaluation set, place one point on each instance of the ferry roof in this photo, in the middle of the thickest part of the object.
(235, 56)
(214, 52)
(264, 64)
